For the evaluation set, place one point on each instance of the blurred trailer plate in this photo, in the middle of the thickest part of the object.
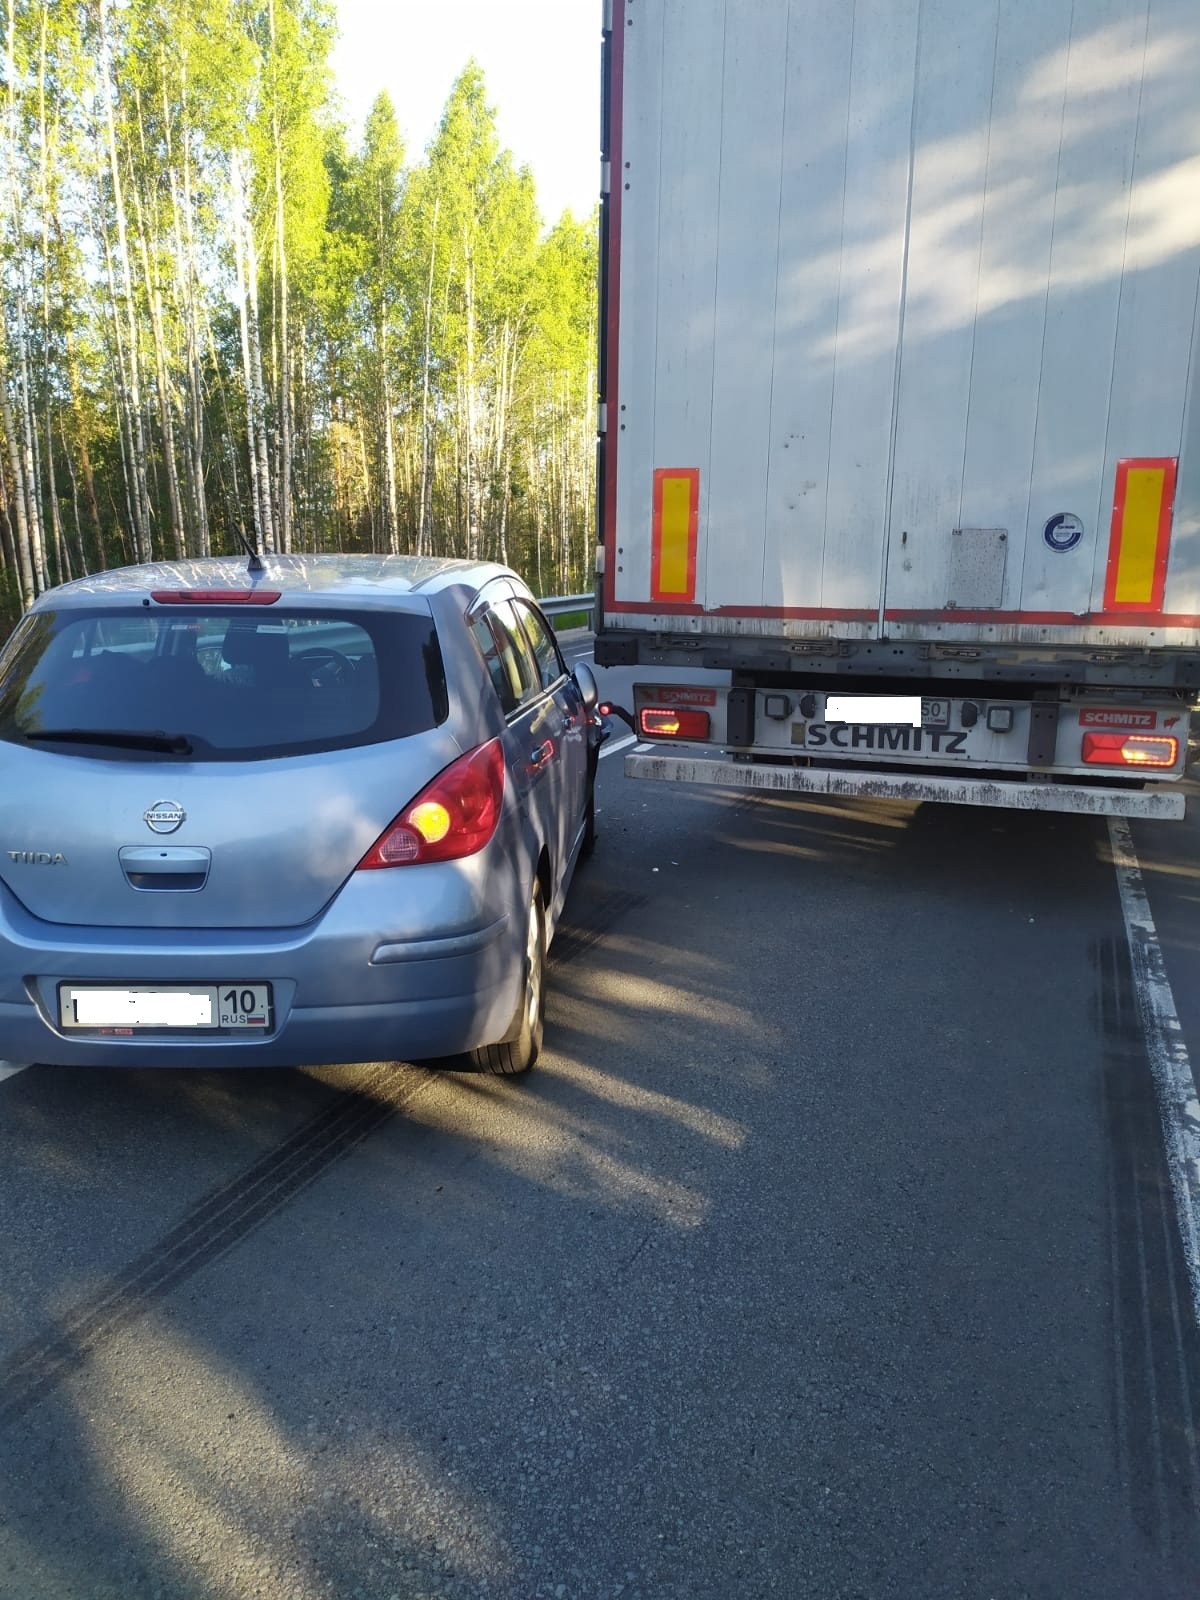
(187, 1007)
(888, 710)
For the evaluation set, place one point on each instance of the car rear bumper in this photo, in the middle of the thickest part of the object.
(354, 998)
(313, 1036)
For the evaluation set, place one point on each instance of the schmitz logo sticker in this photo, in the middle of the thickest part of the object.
(885, 740)
(1118, 719)
(684, 697)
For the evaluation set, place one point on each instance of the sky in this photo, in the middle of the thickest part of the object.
(541, 61)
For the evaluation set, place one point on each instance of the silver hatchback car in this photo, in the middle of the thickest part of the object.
(323, 811)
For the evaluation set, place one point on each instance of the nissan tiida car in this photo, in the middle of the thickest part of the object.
(308, 810)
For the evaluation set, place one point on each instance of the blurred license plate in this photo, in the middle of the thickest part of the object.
(188, 1007)
(888, 710)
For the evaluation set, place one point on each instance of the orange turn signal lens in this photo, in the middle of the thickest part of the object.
(431, 820)
(1130, 750)
(672, 722)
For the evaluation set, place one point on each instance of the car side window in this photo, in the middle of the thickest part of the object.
(487, 639)
(516, 652)
(545, 646)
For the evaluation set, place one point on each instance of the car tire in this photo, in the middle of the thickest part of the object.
(588, 845)
(522, 1044)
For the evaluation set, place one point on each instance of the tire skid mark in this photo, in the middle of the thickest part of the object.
(573, 940)
(229, 1213)
(1155, 1342)
(209, 1230)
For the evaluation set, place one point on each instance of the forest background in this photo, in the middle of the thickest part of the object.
(220, 321)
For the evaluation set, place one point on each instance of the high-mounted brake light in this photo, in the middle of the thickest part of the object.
(673, 722)
(454, 817)
(216, 597)
(1129, 750)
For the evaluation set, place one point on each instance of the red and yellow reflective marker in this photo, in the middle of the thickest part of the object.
(1140, 540)
(673, 550)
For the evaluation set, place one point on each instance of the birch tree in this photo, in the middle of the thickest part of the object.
(217, 321)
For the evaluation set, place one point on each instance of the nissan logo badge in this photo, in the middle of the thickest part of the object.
(164, 816)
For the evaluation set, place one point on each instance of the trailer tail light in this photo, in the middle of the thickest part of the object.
(454, 817)
(673, 722)
(1129, 750)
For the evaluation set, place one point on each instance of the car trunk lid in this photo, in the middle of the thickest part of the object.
(200, 845)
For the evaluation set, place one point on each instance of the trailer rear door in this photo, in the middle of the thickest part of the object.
(1046, 358)
(901, 331)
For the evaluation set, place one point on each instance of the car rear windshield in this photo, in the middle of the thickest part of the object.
(216, 685)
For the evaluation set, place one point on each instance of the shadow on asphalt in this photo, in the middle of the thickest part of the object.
(407, 1346)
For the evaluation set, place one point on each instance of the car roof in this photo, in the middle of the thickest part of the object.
(368, 578)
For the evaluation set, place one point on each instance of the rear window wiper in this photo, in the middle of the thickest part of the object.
(171, 744)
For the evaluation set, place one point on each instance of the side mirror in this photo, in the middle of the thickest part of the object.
(585, 679)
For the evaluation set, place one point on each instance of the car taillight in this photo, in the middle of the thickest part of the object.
(672, 722)
(215, 597)
(1129, 750)
(454, 817)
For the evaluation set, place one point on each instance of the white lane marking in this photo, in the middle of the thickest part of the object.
(621, 744)
(642, 749)
(1174, 1082)
(9, 1069)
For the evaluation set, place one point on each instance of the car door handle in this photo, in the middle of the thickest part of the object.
(541, 756)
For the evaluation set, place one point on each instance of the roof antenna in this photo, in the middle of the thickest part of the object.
(256, 562)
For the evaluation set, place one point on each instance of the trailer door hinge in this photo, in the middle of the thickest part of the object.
(607, 24)
(602, 418)
(605, 177)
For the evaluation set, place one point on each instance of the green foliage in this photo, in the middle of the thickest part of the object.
(427, 369)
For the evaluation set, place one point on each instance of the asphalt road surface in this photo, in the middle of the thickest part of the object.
(831, 1251)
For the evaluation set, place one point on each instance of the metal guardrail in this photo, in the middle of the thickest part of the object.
(563, 605)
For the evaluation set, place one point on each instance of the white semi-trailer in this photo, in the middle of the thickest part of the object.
(900, 416)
